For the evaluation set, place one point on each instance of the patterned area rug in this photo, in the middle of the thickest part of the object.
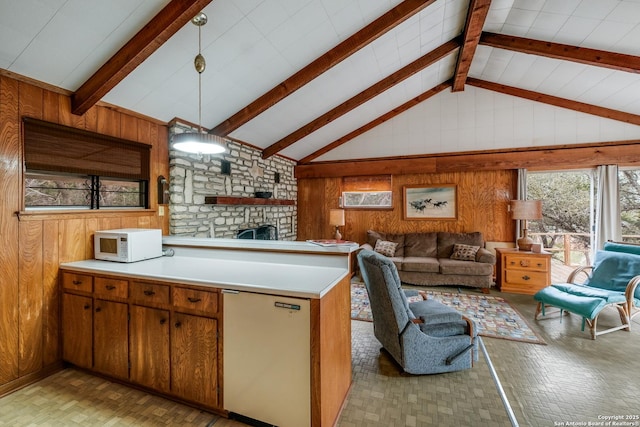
(493, 315)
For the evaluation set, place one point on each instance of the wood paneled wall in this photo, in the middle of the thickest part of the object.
(34, 244)
(483, 198)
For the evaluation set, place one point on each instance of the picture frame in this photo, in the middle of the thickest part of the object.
(367, 199)
(430, 202)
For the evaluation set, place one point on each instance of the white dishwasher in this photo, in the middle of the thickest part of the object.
(267, 358)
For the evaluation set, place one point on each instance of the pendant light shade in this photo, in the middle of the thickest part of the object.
(199, 142)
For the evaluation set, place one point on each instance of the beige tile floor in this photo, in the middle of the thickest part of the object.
(571, 380)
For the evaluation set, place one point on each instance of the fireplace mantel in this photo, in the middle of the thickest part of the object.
(232, 200)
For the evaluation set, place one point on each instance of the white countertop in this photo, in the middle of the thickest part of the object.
(294, 280)
(249, 244)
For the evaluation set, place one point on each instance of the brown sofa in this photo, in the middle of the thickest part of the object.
(425, 258)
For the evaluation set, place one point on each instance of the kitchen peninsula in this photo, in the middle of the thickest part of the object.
(255, 329)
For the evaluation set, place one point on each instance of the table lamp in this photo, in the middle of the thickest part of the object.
(336, 218)
(525, 210)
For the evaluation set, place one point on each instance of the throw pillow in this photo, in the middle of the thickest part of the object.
(464, 252)
(386, 248)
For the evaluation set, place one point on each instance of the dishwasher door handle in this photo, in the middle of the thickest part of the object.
(230, 291)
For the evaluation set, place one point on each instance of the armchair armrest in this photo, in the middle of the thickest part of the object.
(486, 256)
(366, 246)
(585, 269)
(629, 295)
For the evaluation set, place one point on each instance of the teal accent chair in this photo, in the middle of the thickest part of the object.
(611, 282)
(423, 337)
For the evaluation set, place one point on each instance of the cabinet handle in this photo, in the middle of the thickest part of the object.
(178, 324)
(77, 282)
(87, 306)
(192, 299)
(526, 277)
(149, 293)
(98, 309)
(110, 287)
(163, 321)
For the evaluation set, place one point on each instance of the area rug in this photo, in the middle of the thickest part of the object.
(493, 315)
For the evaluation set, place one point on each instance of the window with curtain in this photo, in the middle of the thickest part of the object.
(629, 192)
(70, 168)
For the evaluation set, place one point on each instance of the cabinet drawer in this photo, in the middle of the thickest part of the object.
(526, 277)
(77, 282)
(105, 287)
(195, 299)
(150, 292)
(526, 263)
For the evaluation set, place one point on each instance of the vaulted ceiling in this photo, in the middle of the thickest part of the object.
(326, 80)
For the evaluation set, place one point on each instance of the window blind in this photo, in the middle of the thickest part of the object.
(58, 148)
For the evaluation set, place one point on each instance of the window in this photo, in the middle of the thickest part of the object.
(76, 169)
(567, 211)
(45, 190)
(629, 192)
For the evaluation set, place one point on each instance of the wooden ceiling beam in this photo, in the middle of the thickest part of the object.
(346, 48)
(582, 55)
(378, 121)
(582, 107)
(364, 96)
(551, 157)
(153, 35)
(477, 14)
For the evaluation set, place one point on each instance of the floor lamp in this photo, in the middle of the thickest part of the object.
(525, 210)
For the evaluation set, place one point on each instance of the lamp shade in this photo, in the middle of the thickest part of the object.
(336, 217)
(198, 143)
(526, 209)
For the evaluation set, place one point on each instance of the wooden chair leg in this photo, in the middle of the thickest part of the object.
(538, 311)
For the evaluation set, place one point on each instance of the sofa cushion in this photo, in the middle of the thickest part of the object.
(421, 245)
(447, 240)
(432, 311)
(464, 268)
(464, 252)
(613, 270)
(420, 264)
(374, 236)
(622, 247)
(585, 306)
(385, 247)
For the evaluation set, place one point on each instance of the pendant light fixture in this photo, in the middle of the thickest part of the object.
(199, 142)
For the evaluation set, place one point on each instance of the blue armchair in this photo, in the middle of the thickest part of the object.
(612, 282)
(423, 337)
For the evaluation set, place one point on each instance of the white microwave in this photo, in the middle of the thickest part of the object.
(128, 244)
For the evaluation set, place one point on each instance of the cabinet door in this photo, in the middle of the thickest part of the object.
(110, 338)
(77, 330)
(149, 347)
(194, 358)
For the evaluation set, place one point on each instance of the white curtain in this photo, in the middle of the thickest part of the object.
(521, 195)
(608, 206)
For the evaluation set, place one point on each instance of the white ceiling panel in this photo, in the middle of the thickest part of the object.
(251, 46)
(429, 127)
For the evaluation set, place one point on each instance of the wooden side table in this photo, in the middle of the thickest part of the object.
(522, 272)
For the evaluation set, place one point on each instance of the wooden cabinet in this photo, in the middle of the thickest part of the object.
(156, 335)
(194, 361)
(149, 347)
(77, 330)
(110, 338)
(522, 272)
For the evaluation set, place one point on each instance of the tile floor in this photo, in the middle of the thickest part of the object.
(570, 381)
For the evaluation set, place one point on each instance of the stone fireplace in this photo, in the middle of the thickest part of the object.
(239, 172)
(263, 232)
